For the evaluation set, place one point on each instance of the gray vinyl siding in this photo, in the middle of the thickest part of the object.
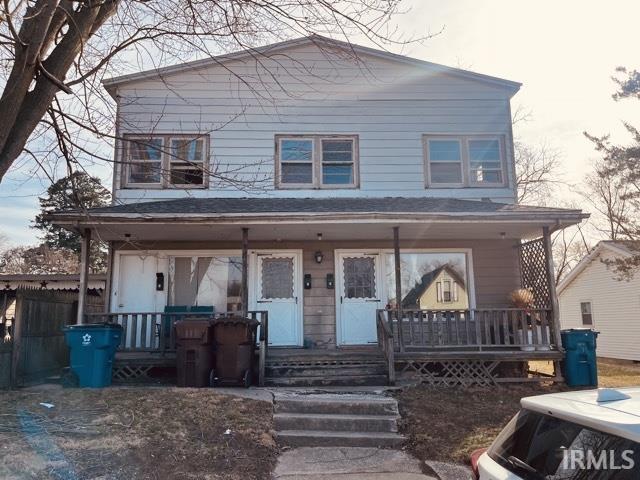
(389, 105)
(615, 309)
(495, 268)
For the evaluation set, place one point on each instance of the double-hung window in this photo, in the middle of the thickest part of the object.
(586, 313)
(165, 161)
(145, 160)
(464, 161)
(316, 161)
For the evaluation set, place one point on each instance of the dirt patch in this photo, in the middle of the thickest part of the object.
(142, 433)
(447, 424)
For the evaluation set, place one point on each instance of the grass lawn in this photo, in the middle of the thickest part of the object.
(142, 433)
(447, 424)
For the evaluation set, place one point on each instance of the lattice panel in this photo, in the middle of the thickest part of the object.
(453, 372)
(128, 373)
(533, 271)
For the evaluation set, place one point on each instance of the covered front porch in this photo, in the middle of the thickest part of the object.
(340, 293)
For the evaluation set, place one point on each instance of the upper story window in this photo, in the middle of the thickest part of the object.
(317, 161)
(165, 161)
(464, 161)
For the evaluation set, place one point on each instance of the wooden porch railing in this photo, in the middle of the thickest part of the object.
(153, 332)
(476, 329)
(385, 342)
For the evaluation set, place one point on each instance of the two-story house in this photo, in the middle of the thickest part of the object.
(319, 181)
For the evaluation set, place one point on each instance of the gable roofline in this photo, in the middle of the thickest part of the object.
(111, 84)
(603, 245)
(427, 280)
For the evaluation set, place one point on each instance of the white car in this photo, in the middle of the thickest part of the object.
(583, 435)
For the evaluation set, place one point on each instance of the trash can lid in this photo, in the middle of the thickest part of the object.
(94, 325)
(236, 319)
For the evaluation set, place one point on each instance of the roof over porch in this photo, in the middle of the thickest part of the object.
(303, 218)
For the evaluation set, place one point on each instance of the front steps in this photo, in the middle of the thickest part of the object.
(342, 420)
(325, 368)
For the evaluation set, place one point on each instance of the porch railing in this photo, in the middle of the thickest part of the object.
(153, 332)
(476, 329)
(385, 342)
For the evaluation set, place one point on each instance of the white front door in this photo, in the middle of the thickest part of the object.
(358, 296)
(277, 283)
(136, 288)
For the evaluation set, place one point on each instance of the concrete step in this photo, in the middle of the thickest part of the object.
(336, 404)
(336, 423)
(325, 370)
(326, 381)
(318, 438)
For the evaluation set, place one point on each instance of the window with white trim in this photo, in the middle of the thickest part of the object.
(464, 161)
(316, 161)
(586, 313)
(168, 161)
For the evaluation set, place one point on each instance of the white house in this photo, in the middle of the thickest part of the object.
(316, 181)
(593, 296)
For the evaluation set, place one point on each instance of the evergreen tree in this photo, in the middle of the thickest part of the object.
(78, 191)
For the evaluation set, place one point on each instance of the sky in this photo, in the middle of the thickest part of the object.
(564, 52)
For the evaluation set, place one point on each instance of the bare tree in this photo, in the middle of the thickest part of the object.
(536, 172)
(537, 166)
(56, 52)
(569, 246)
(608, 197)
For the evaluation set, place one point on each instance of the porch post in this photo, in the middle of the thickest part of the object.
(551, 279)
(84, 274)
(245, 270)
(396, 261)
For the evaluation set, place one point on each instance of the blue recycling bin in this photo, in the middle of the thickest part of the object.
(580, 367)
(93, 347)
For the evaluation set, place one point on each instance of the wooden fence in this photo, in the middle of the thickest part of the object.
(37, 349)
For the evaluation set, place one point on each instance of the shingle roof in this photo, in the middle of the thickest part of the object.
(413, 296)
(213, 206)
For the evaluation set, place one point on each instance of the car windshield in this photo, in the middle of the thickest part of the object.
(541, 447)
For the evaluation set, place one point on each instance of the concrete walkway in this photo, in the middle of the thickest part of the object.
(347, 463)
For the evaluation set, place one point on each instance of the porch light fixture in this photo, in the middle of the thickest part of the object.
(319, 256)
(503, 235)
(319, 238)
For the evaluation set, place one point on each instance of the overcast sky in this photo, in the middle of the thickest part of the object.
(564, 52)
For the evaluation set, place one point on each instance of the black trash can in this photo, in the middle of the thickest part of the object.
(234, 342)
(194, 354)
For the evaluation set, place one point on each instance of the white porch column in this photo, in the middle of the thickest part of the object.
(551, 279)
(84, 274)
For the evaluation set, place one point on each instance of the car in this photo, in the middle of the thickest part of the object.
(581, 435)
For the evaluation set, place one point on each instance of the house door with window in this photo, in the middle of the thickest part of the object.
(276, 289)
(357, 297)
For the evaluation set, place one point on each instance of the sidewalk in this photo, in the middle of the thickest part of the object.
(347, 463)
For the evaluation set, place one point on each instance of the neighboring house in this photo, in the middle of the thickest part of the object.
(439, 289)
(592, 296)
(276, 180)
